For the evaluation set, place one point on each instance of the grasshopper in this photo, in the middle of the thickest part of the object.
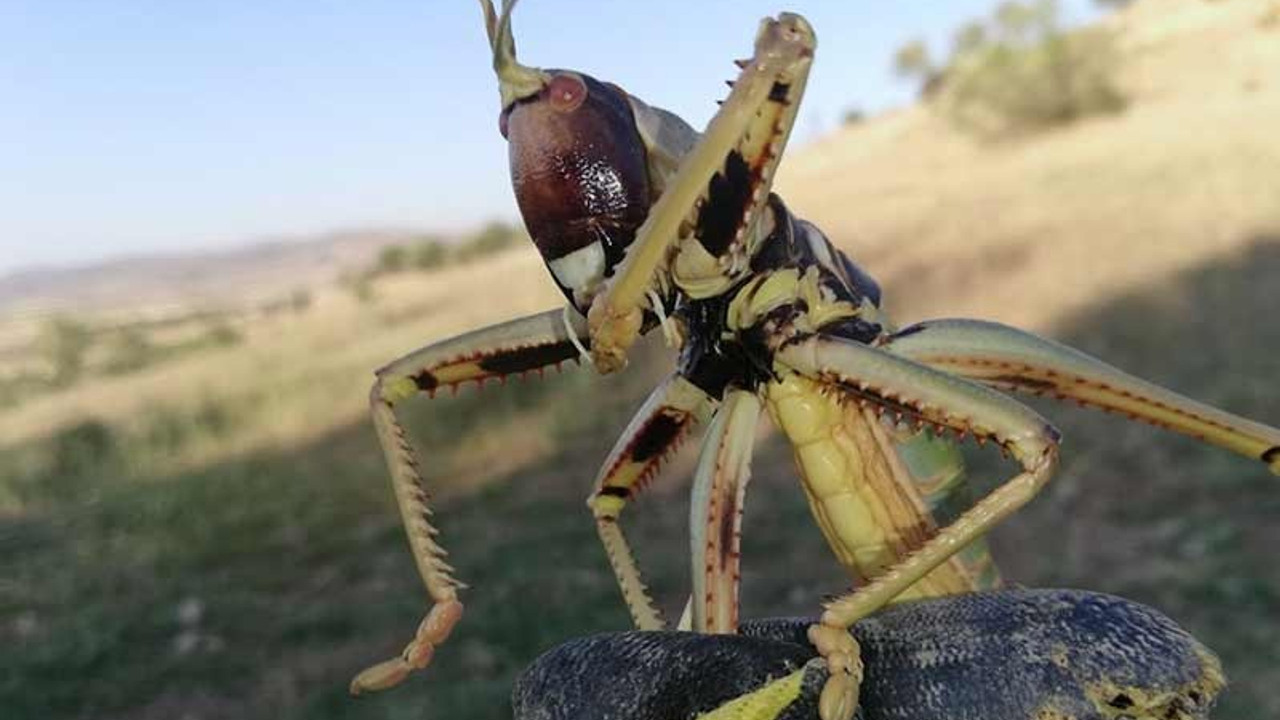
(644, 224)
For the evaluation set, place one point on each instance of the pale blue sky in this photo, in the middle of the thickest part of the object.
(139, 126)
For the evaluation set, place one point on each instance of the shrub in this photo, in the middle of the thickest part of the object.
(18, 387)
(1008, 88)
(429, 254)
(392, 258)
(221, 334)
(65, 342)
(71, 466)
(131, 350)
(493, 237)
(912, 60)
(1021, 72)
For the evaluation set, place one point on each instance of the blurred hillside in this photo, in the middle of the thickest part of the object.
(1190, 171)
(157, 284)
(213, 536)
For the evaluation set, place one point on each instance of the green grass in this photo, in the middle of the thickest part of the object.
(295, 558)
(255, 587)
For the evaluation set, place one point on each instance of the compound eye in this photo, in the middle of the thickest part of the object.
(566, 92)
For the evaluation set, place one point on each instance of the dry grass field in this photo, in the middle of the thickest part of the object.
(214, 537)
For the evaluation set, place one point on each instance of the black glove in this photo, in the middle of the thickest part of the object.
(1003, 655)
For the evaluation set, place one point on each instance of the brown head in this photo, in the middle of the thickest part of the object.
(579, 166)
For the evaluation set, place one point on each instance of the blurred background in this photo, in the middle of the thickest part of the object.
(219, 220)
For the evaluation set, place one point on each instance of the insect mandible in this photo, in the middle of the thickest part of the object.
(647, 224)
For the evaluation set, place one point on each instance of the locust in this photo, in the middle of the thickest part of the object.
(646, 224)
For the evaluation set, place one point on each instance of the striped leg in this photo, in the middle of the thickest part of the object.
(744, 140)
(1008, 358)
(655, 432)
(531, 343)
(936, 467)
(715, 512)
(901, 386)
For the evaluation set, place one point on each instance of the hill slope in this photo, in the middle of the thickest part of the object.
(1026, 230)
(193, 279)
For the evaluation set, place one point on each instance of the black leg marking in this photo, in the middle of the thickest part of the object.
(727, 196)
(853, 328)
(656, 436)
(909, 331)
(425, 381)
(527, 358)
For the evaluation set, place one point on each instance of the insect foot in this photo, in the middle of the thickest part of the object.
(844, 661)
(432, 631)
(612, 334)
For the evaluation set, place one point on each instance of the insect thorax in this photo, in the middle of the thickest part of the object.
(794, 285)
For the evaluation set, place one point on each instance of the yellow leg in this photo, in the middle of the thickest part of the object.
(897, 385)
(783, 53)
(1008, 358)
(652, 435)
(715, 512)
(522, 345)
(1000, 504)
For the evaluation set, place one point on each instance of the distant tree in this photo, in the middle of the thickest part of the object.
(969, 38)
(393, 258)
(853, 116)
(493, 237)
(65, 342)
(430, 253)
(131, 350)
(1022, 21)
(912, 60)
(1113, 3)
(221, 334)
(1021, 71)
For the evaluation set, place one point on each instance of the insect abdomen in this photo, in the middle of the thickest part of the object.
(870, 516)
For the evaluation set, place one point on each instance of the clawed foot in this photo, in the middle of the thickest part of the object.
(432, 631)
(612, 334)
(839, 696)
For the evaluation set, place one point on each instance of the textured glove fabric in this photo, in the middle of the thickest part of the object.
(1003, 655)
(655, 675)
